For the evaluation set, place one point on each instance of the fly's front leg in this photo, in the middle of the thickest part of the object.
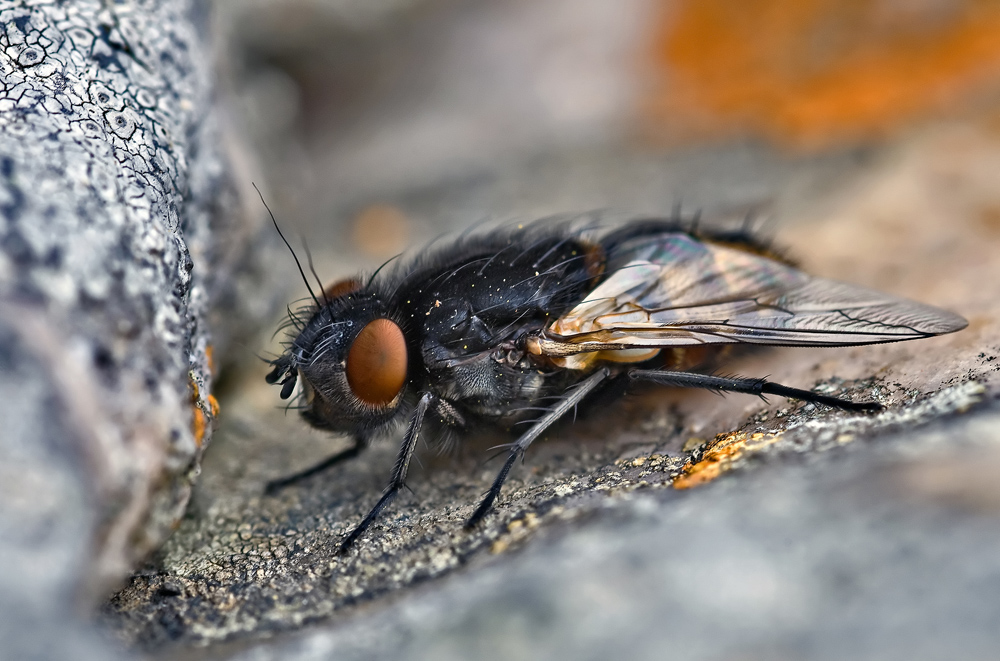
(360, 443)
(759, 387)
(517, 449)
(398, 470)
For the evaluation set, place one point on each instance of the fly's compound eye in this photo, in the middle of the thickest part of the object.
(376, 363)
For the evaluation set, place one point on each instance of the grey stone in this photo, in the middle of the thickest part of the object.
(115, 194)
(820, 560)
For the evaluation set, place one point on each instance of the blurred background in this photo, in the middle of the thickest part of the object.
(381, 123)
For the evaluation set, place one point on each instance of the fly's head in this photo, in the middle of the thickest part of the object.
(350, 360)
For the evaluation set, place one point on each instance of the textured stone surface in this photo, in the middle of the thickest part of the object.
(114, 191)
(827, 558)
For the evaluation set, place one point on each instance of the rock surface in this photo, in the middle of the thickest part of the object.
(828, 559)
(114, 191)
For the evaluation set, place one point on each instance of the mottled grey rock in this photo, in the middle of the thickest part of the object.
(119, 232)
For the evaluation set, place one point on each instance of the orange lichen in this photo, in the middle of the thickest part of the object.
(719, 457)
(210, 359)
(199, 425)
(200, 419)
(809, 72)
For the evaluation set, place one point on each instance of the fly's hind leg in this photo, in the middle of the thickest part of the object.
(759, 387)
(280, 483)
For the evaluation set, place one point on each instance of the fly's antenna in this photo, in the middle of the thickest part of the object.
(294, 256)
(312, 269)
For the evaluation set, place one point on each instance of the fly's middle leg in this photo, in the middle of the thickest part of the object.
(565, 405)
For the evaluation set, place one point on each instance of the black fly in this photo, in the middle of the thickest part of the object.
(487, 328)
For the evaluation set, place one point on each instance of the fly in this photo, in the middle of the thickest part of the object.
(495, 326)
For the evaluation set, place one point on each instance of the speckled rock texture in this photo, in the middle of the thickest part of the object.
(113, 190)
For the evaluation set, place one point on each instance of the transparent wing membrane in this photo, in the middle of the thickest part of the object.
(674, 290)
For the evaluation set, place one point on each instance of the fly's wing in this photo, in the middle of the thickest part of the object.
(674, 290)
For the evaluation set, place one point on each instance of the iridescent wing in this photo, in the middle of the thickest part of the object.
(671, 289)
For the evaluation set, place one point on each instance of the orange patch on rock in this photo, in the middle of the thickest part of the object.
(199, 417)
(811, 72)
(719, 458)
(199, 425)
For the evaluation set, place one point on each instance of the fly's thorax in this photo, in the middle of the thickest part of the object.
(474, 302)
(491, 386)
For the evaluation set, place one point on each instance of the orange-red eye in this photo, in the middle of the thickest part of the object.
(376, 363)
